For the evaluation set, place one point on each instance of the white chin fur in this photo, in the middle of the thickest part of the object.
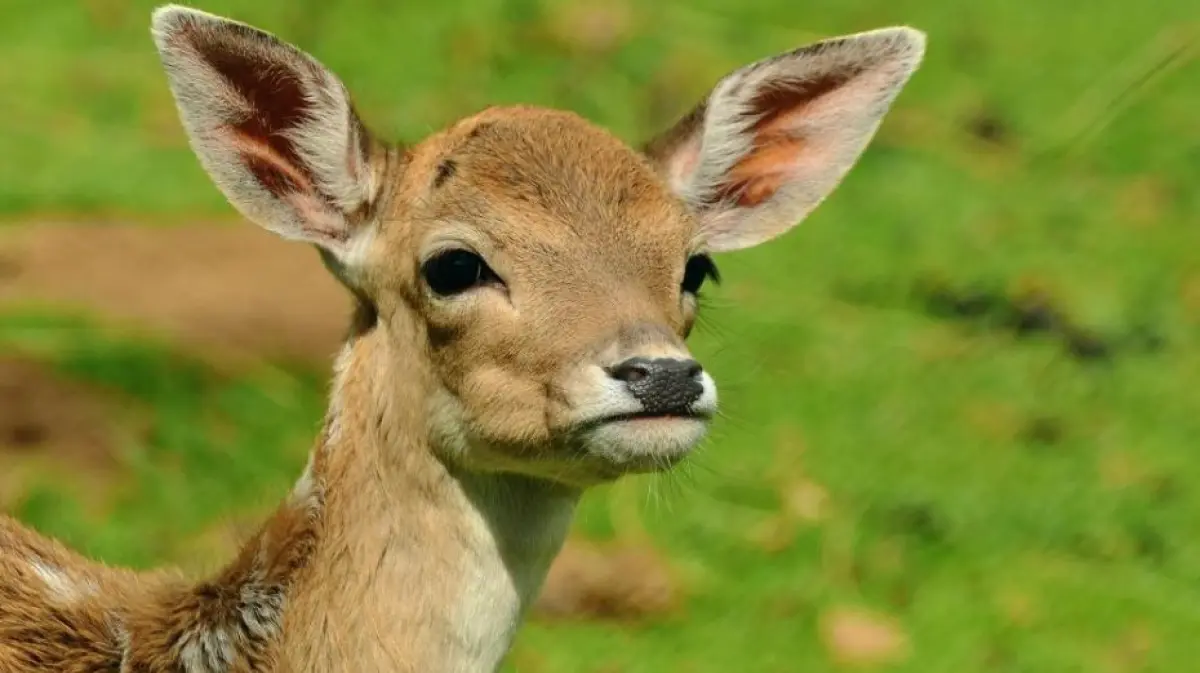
(647, 443)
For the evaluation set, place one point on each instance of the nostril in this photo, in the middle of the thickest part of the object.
(630, 371)
(647, 371)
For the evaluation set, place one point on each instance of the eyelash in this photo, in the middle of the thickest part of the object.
(698, 269)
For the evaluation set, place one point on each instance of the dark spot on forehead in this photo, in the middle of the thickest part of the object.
(445, 171)
(479, 130)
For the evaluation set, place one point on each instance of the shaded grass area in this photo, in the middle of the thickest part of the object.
(961, 394)
(215, 446)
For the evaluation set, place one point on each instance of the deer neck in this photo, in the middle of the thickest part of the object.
(417, 565)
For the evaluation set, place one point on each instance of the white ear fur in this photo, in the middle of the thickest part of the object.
(274, 129)
(774, 138)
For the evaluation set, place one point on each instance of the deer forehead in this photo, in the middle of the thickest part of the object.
(546, 186)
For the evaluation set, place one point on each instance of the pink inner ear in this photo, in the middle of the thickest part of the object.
(285, 181)
(760, 174)
(274, 172)
(778, 144)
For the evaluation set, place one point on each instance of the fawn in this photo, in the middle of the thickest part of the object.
(524, 284)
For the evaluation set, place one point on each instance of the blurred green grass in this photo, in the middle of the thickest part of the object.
(1017, 508)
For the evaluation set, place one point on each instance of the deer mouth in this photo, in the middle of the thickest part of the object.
(652, 416)
(647, 421)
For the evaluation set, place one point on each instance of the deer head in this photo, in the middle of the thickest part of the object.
(542, 273)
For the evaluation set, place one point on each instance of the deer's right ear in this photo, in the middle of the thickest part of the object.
(274, 129)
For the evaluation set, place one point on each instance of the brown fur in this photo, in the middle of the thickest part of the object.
(462, 426)
(115, 620)
(41, 634)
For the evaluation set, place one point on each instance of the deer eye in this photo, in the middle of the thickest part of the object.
(699, 269)
(456, 271)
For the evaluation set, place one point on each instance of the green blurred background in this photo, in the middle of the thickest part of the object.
(963, 409)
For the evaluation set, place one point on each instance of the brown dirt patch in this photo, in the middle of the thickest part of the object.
(225, 288)
(49, 422)
(860, 638)
(41, 412)
(616, 581)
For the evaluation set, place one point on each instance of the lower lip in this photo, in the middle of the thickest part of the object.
(664, 418)
(659, 418)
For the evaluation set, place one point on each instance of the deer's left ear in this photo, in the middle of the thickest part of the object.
(774, 138)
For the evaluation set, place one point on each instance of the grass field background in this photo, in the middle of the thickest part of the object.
(963, 405)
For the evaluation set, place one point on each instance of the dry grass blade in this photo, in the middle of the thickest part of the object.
(1169, 51)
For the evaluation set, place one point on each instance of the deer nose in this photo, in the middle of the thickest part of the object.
(664, 386)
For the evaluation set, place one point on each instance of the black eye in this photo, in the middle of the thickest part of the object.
(456, 271)
(699, 268)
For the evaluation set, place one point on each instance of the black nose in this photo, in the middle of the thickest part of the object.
(663, 385)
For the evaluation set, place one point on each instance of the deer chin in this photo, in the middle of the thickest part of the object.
(641, 443)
